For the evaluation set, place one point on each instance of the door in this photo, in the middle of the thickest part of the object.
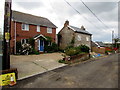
(41, 45)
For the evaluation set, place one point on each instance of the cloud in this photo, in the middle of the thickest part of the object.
(30, 5)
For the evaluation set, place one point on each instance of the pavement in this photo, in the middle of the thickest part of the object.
(30, 65)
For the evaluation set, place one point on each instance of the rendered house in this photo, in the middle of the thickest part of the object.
(25, 26)
(69, 33)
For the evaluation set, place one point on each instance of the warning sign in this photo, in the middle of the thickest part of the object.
(7, 35)
(7, 79)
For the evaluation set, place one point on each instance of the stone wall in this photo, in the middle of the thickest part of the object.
(82, 39)
(66, 37)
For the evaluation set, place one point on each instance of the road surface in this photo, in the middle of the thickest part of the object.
(100, 73)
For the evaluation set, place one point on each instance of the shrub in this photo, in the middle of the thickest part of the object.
(71, 51)
(35, 52)
(52, 48)
(84, 48)
(76, 50)
(61, 61)
(31, 41)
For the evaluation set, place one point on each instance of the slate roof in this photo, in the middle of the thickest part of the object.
(93, 44)
(76, 29)
(31, 19)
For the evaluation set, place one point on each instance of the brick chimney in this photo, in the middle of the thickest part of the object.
(82, 27)
(66, 23)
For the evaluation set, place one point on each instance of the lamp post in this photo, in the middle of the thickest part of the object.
(6, 35)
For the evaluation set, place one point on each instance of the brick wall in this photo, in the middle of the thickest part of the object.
(20, 34)
(98, 50)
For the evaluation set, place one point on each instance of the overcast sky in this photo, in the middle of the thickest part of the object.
(59, 11)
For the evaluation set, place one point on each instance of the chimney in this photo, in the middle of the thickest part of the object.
(82, 27)
(66, 23)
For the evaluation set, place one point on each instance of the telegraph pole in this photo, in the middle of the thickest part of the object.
(6, 36)
(112, 39)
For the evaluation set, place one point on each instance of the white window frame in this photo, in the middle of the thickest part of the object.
(49, 30)
(79, 37)
(87, 38)
(25, 41)
(25, 27)
(38, 28)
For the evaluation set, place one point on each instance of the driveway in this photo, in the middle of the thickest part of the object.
(29, 65)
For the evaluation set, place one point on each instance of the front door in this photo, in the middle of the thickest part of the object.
(41, 45)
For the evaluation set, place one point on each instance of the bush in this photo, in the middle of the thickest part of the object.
(61, 61)
(84, 48)
(52, 48)
(76, 50)
(35, 52)
(71, 52)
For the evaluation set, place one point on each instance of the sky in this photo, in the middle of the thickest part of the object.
(58, 11)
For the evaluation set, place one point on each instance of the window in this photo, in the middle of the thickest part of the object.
(38, 28)
(23, 41)
(25, 27)
(87, 39)
(49, 30)
(79, 38)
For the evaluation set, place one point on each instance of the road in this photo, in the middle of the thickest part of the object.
(100, 73)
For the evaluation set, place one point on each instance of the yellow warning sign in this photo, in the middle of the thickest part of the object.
(7, 35)
(7, 79)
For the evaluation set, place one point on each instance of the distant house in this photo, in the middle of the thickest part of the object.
(73, 35)
(25, 26)
(98, 47)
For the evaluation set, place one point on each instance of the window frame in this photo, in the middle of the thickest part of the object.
(87, 38)
(25, 27)
(24, 41)
(49, 30)
(38, 28)
(79, 38)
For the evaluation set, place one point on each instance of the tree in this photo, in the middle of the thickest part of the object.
(116, 40)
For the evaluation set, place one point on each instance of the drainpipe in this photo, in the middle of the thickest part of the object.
(15, 39)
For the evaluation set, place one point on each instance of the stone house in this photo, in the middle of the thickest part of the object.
(25, 26)
(73, 35)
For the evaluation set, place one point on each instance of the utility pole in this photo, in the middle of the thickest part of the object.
(6, 36)
(112, 39)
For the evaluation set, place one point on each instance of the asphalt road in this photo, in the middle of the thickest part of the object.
(100, 73)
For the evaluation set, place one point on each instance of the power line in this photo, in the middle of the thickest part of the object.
(79, 13)
(94, 14)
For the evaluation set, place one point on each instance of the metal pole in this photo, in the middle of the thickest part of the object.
(6, 43)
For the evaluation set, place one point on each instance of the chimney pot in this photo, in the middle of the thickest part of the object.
(82, 27)
(66, 23)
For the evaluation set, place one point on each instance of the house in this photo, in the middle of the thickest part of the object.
(98, 47)
(73, 35)
(25, 26)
